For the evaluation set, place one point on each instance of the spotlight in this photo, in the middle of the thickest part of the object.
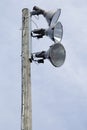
(56, 55)
(55, 33)
(51, 16)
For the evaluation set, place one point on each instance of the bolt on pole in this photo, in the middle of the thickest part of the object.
(26, 107)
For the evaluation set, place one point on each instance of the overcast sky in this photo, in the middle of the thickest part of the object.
(59, 95)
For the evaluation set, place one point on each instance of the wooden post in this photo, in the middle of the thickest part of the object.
(26, 108)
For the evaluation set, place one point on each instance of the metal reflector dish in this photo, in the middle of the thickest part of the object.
(55, 17)
(57, 54)
(58, 32)
(55, 33)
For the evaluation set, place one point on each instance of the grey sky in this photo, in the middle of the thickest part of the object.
(59, 95)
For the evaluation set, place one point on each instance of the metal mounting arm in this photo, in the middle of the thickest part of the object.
(39, 33)
(37, 11)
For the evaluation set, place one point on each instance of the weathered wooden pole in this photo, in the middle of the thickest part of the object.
(26, 108)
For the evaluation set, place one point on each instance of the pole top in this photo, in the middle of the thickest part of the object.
(25, 9)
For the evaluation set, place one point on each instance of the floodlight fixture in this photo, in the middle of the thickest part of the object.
(56, 55)
(51, 16)
(55, 33)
